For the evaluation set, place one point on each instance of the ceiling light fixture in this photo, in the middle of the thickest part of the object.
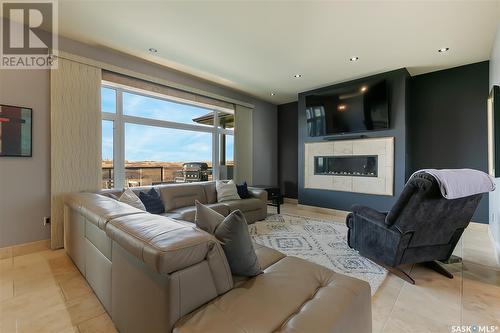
(273, 94)
(297, 76)
(444, 49)
(354, 59)
(153, 50)
(342, 107)
(364, 88)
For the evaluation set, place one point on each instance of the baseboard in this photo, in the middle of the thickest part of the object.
(496, 246)
(291, 201)
(25, 248)
(323, 210)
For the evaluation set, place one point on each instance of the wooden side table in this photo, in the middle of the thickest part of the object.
(274, 197)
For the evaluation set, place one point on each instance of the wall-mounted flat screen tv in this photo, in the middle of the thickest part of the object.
(355, 108)
(15, 131)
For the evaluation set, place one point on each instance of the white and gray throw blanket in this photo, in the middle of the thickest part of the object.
(460, 183)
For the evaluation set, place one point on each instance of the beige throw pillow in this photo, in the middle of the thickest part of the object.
(129, 197)
(226, 191)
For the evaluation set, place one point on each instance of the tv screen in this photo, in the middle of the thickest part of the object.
(356, 108)
(15, 131)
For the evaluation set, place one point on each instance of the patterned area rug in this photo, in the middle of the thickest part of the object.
(319, 241)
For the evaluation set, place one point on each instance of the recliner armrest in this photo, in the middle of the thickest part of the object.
(369, 214)
(258, 193)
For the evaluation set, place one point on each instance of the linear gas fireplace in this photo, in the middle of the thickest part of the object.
(358, 165)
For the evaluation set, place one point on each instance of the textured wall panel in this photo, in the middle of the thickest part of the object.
(243, 145)
(75, 136)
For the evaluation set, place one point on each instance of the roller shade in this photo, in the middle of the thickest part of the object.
(167, 92)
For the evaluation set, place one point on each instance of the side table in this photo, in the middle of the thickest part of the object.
(274, 196)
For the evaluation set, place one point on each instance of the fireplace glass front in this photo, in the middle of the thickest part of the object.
(357, 166)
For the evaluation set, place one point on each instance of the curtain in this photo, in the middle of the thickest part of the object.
(243, 145)
(75, 136)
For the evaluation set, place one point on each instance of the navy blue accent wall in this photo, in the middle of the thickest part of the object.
(398, 86)
(287, 149)
(448, 122)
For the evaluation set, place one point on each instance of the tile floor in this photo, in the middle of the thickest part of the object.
(44, 292)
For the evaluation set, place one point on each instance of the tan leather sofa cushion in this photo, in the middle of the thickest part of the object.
(188, 213)
(99, 209)
(182, 195)
(162, 243)
(292, 295)
(245, 205)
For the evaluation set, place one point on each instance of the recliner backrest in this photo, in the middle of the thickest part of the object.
(431, 218)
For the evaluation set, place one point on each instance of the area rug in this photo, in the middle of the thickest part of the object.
(322, 242)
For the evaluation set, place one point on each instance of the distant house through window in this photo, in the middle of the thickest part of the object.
(149, 139)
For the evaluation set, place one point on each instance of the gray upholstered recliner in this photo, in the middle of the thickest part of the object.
(421, 227)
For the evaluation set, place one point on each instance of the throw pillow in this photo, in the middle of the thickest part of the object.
(206, 218)
(129, 197)
(152, 202)
(232, 232)
(243, 190)
(226, 190)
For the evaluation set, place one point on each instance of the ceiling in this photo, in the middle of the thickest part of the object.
(257, 47)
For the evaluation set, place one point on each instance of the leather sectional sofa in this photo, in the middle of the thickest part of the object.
(156, 274)
(179, 199)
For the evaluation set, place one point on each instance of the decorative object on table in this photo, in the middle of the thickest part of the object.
(274, 196)
(226, 190)
(319, 241)
(422, 226)
(15, 131)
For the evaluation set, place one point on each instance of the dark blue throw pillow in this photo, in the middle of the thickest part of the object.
(243, 190)
(152, 202)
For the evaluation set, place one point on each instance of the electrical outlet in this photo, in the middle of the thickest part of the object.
(46, 220)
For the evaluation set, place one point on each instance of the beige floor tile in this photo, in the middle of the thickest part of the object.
(481, 295)
(19, 250)
(5, 252)
(6, 289)
(100, 324)
(74, 286)
(383, 301)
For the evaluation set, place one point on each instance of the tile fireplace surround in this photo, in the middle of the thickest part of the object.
(359, 165)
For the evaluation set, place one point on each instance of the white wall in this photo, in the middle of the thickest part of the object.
(495, 196)
(24, 181)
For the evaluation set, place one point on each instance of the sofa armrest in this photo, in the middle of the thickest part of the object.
(258, 193)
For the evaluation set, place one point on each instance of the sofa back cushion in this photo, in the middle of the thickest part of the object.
(182, 195)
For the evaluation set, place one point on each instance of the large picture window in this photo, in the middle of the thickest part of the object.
(148, 140)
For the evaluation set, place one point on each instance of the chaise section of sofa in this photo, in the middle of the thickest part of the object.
(179, 199)
(156, 274)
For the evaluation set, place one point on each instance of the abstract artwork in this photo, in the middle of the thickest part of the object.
(15, 131)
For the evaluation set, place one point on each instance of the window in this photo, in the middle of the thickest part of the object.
(107, 154)
(157, 140)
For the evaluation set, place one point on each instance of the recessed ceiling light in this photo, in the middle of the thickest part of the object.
(354, 59)
(153, 50)
(444, 49)
(297, 76)
(273, 94)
